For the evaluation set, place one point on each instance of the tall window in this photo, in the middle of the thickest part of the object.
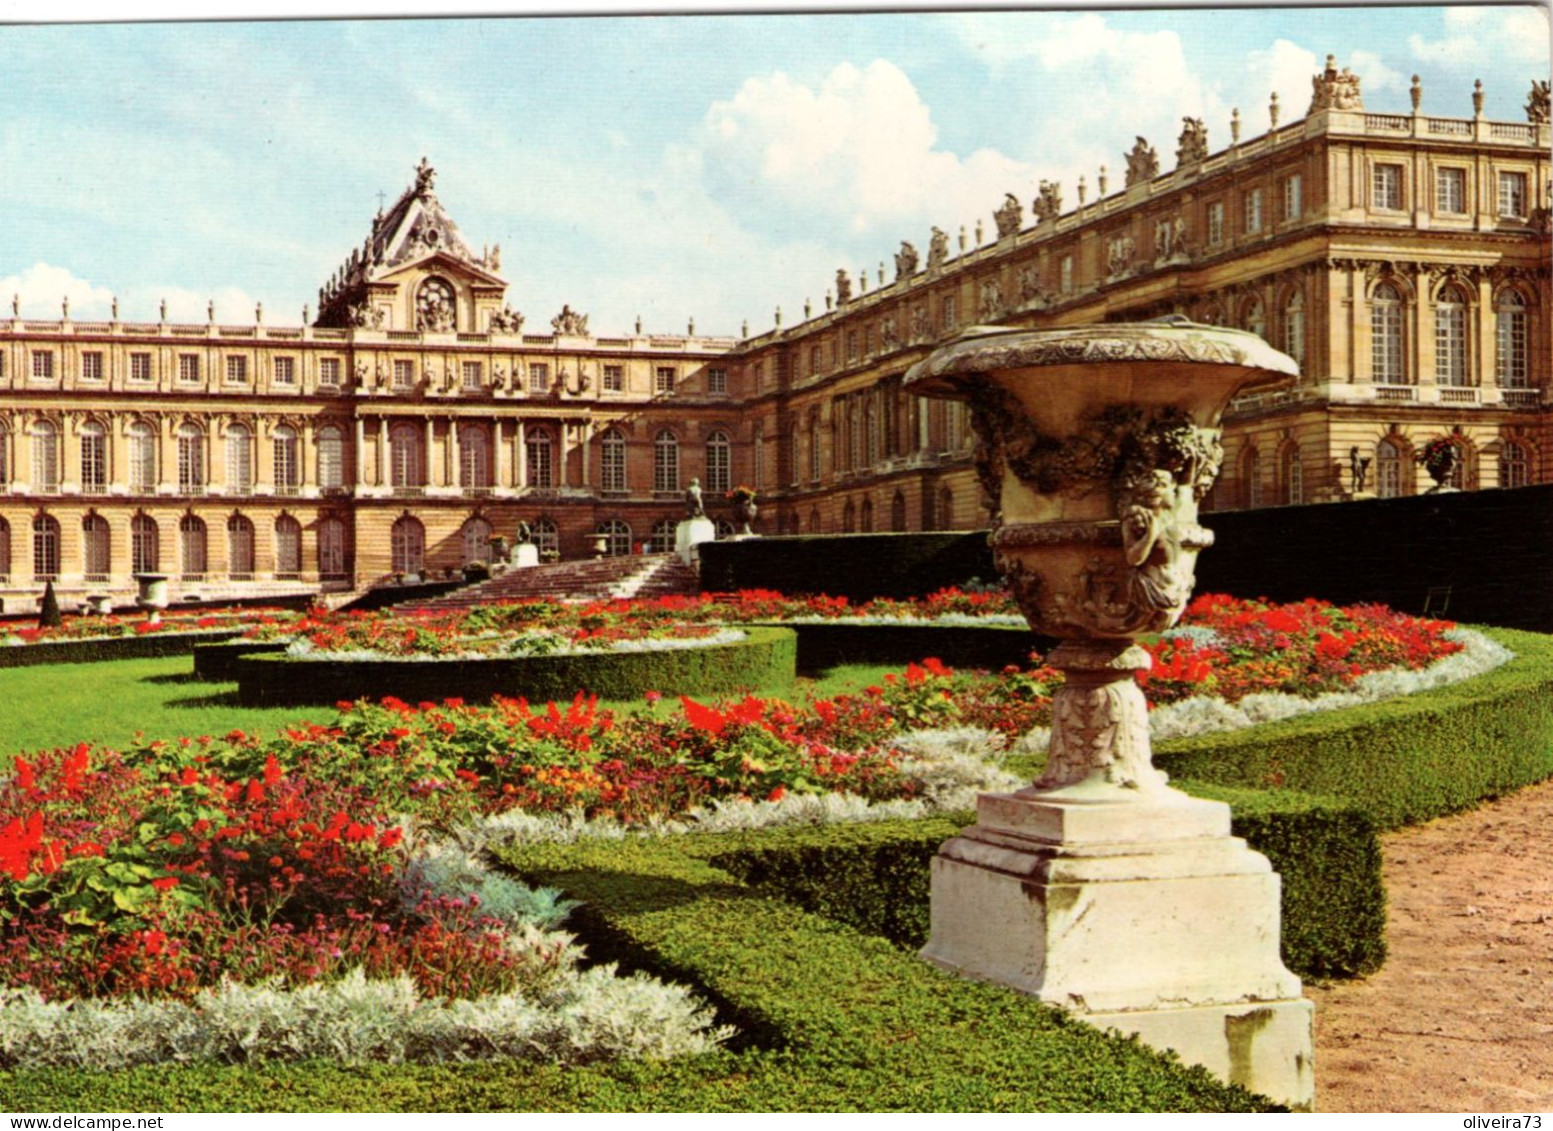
(546, 537)
(662, 540)
(1386, 188)
(331, 457)
(946, 509)
(1065, 275)
(614, 378)
(1251, 477)
(140, 367)
(404, 374)
(236, 370)
(665, 462)
(94, 457)
(329, 371)
(96, 558)
(663, 380)
(718, 463)
(331, 548)
(1513, 466)
(191, 460)
(849, 518)
(717, 380)
(617, 537)
(538, 377)
(792, 456)
(758, 457)
(42, 365)
(477, 541)
(1388, 470)
(1512, 194)
(145, 544)
(5, 549)
(285, 371)
(612, 460)
(1255, 319)
(45, 457)
(541, 464)
(1293, 476)
(1450, 338)
(1510, 340)
(866, 517)
(1386, 336)
(473, 376)
(1216, 223)
(898, 513)
(1450, 190)
(191, 547)
(189, 368)
(239, 547)
(404, 455)
(407, 543)
(288, 472)
(474, 457)
(45, 548)
(239, 459)
(142, 456)
(1253, 201)
(288, 547)
(1293, 198)
(5, 458)
(91, 365)
(814, 446)
(1294, 328)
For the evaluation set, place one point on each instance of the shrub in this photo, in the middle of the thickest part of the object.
(49, 615)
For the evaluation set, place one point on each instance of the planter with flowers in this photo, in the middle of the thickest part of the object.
(744, 509)
(1439, 457)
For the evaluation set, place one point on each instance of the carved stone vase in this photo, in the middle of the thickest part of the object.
(744, 512)
(1098, 887)
(151, 595)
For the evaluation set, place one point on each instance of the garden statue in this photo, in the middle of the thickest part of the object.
(1094, 887)
(1358, 469)
(693, 506)
(744, 509)
(525, 532)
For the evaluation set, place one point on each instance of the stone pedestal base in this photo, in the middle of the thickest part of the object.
(1143, 915)
(524, 554)
(691, 533)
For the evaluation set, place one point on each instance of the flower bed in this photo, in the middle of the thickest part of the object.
(97, 638)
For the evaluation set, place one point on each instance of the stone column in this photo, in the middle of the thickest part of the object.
(564, 448)
(584, 435)
(456, 471)
(360, 470)
(498, 455)
(520, 452)
(70, 454)
(382, 452)
(426, 460)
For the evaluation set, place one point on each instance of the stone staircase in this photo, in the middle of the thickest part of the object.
(641, 575)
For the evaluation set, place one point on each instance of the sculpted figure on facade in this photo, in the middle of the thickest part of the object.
(919, 327)
(1028, 279)
(937, 249)
(364, 316)
(1119, 255)
(1142, 163)
(570, 323)
(1010, 218)
(1048, 202)
(693, 505)
(1537, 102)
(506, 320)
(991, 296)
(1164, 234)
(425, 177)
(889, 337)
(1334, 90)
(1193, 144)
(905, 261)
(843, 287)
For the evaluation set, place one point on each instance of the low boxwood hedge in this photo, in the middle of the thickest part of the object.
(218, 662)
(97, 649)
(826, 644)
(764, 658)
(1403, 760)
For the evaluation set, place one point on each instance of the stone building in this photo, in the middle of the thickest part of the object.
(1402, 259)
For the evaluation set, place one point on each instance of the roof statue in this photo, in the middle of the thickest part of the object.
(1048, 204)
(843, 286)
(1193, 145)
(1537, 102)
(1010, 218)
(570, 323)
(1331, 90)
(937, 248)
(1142, 163)
(425, 177)
(905, 261)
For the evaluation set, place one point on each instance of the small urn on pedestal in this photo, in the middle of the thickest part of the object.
(744, 510)
(1100, 888)
(152, 595)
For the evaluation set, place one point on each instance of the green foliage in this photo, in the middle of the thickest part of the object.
(1402, 760)
(92, 651)
(49, 615)
(764, 658)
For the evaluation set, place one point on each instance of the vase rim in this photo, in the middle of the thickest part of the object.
(1171, 343)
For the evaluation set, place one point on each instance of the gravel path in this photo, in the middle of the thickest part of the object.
(1461, 1016)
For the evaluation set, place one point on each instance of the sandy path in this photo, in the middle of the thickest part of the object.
(1461, 1016)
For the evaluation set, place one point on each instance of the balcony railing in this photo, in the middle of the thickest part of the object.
(1451, 395)
(1396, 393)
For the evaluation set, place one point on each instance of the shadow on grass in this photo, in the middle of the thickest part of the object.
(219, 699)
(171, 677)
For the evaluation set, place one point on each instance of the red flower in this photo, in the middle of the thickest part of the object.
(702, 718)
(165, 883)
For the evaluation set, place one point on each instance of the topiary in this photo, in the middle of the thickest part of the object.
(49, 615)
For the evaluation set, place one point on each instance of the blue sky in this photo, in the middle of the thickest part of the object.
(661, 166)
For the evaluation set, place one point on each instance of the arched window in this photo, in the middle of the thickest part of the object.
(239, 547)
(5, 457)
(1510, 341)
(898, 513)
(142, 456)
(331, 458)
(5, 550)
(546, 536)
(1514, 465)
(1388, 470)
(1450, 338)
(404, 454)
(1294, 328)
(145, 544)
(718, 463)
(1251, 477)
(617, 537)
(541, 465)
(191, 547)
(239, 459)
(94, 457)
(45, 457)
(288, 473)
(865, 520)
(288, 547)
(874, 433)
(758, 458)
(191, 459)
(477, 541)
(331, 549)
(434, 304)
(96, 547)
(1254, 318)
(665, 462)
(662, 537)
(1464, 474)
(1292, 475)
(407, 545)
(814, 446)
(946, 509)
(474, 459)
(1386, 360)
(45, 548)
(848, 518)
(612, 460)
(814, 521)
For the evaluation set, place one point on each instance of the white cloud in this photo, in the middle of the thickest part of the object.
(40, 290)
(1487, 37)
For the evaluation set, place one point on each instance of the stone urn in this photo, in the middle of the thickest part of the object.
(1439, 457)
(1098, 443)
(744, 512)
(152, 595)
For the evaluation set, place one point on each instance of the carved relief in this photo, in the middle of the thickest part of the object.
(991, 300)
(1010, 218)
(1100, 721)
(1142, 163)
(365, 317)
(1048, 202)
(434, 309)
(1192, 146)
(1331, 90)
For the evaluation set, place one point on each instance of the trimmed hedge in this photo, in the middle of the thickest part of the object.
(855, 566)
(766, 657)
(825, 644)
(103, 648)
(1402, 760)
(218, 662)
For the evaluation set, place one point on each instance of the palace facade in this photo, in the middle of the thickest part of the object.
(1401, 259)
